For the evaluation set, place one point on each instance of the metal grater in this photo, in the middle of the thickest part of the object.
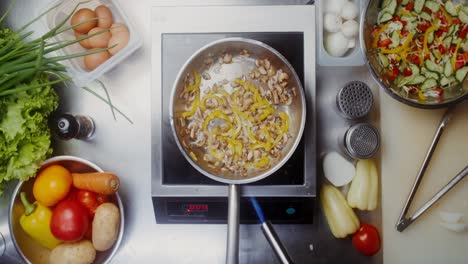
(354, 100)
(362, 141)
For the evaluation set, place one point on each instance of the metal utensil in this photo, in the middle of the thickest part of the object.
(241, 65)
(271, 235)
(403, 221)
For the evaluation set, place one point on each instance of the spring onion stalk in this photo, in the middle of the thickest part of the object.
(22, 60)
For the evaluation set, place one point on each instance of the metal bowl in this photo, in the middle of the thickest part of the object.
(30, 250)
(452, 95)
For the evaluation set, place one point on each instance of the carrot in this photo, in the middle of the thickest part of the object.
(99, 182)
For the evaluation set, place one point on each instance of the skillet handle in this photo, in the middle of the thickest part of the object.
(232, 251)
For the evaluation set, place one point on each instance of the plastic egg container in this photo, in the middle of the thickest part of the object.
(76, 68)
(353, 56)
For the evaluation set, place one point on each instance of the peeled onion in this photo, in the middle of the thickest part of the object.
(332, 22)
(455, 227)
(350, 28)
(336, 44)
(337, 169)
(450, 217)
(349, 10)
(333, 6)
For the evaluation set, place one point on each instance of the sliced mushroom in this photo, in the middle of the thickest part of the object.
(227, 58)
(206, 76)
(259, 63)
(275, 97)
(262, 70)
(267, 64)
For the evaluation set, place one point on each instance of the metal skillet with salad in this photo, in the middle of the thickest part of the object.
(422, 45)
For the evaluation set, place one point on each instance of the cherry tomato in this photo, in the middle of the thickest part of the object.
(367, 240)
(69, 221)
(410, 6)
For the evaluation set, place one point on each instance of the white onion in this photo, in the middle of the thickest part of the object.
(352, 43)
(450, 217)
(332, 22)
(333, 6)
(349, 10)
(336, 44)
(350, 28)
(337, 169)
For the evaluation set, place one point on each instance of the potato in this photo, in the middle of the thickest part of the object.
(106, 225)
(81, 252)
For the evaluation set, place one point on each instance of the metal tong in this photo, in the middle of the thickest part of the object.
(403, 221)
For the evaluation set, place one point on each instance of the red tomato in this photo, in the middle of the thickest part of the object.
(439, 33)
(69, 221)
(410, 6)
(415, 59)
(456, 21)
(404, 32)
(407, 72)
(88, 200)
(442, 49)
(427, 10)
(396, 18)
(463, 31)
(459, 64)
(384, 42)
(439, 91)
(367, 240)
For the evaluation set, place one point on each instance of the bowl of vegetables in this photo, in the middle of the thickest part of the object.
(69, 213)
(417, 50)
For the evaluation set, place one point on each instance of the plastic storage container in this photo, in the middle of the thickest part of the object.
(353, 56)
(81, 76)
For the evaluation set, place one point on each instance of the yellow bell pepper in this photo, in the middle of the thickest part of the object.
(213, 115)
(455, 53)
(195, 85)
(340, 217)
(364, 190)
(399, 49)
(194, 108)
(36, 223)
(262, 162)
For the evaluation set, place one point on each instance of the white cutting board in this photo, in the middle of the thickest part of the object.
(406, 135)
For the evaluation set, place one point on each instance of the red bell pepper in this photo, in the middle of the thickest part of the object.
(410, 6)
(407, 72)
(463, 31)
(384, 43)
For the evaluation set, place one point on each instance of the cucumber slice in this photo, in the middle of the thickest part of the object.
(417, 80)
(451, 8)
(391, 7)
(409, 18)
(444, 82)
(414, 70)
(461, 74)
(430, 37)
(448, 70)
(430, 65)
(447, 41)
(383, 60)
(463, 17)
(395, 40)
(404, 2)
(428, 74)
(384, 17)
(385, 3)
(451, 29)
(425, 16)
(465, 9)
(428, 84)
(464, 45)
(433, 6)
(418, 5)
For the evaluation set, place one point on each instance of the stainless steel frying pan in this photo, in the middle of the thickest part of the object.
(218, 72)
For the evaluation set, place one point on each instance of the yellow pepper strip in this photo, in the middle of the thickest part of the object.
(280, 135)
(196, 85)
(449, 18)
(377, 34)
(421, 96)
(195, 104)
(220, 101)
(213, 115)
(192, 155)
(250, 134)
(222, 92)
(284, 122)
(426, 36)
(455, 53)
(266, 113)
(234, 133)
(262, 162)
(251, 87)
(405, 13)
(400, 48)
(216, 153)
(265, 146)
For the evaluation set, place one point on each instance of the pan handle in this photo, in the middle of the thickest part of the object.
(232, 252)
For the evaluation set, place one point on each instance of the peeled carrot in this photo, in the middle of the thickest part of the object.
(98, 182)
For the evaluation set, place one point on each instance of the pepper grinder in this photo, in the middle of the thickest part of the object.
(68, 126)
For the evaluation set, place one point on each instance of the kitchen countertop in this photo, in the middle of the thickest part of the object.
(126, 149)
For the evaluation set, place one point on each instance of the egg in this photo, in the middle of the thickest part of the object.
(105, 16)
(350, 28)
(336, 44)
(85, 42)
(92, 61)
(100, 40)
(118, 27)
(83, 15)
(120, 40)
(349, 10)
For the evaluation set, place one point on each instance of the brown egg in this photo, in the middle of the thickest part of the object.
(85, 42)
(92, 61)
(82, 15)
(120, 40)
(105, 16)
(118, 27)
(100, 40)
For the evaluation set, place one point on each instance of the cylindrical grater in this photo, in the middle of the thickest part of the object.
(362, 141)
(354, 100)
